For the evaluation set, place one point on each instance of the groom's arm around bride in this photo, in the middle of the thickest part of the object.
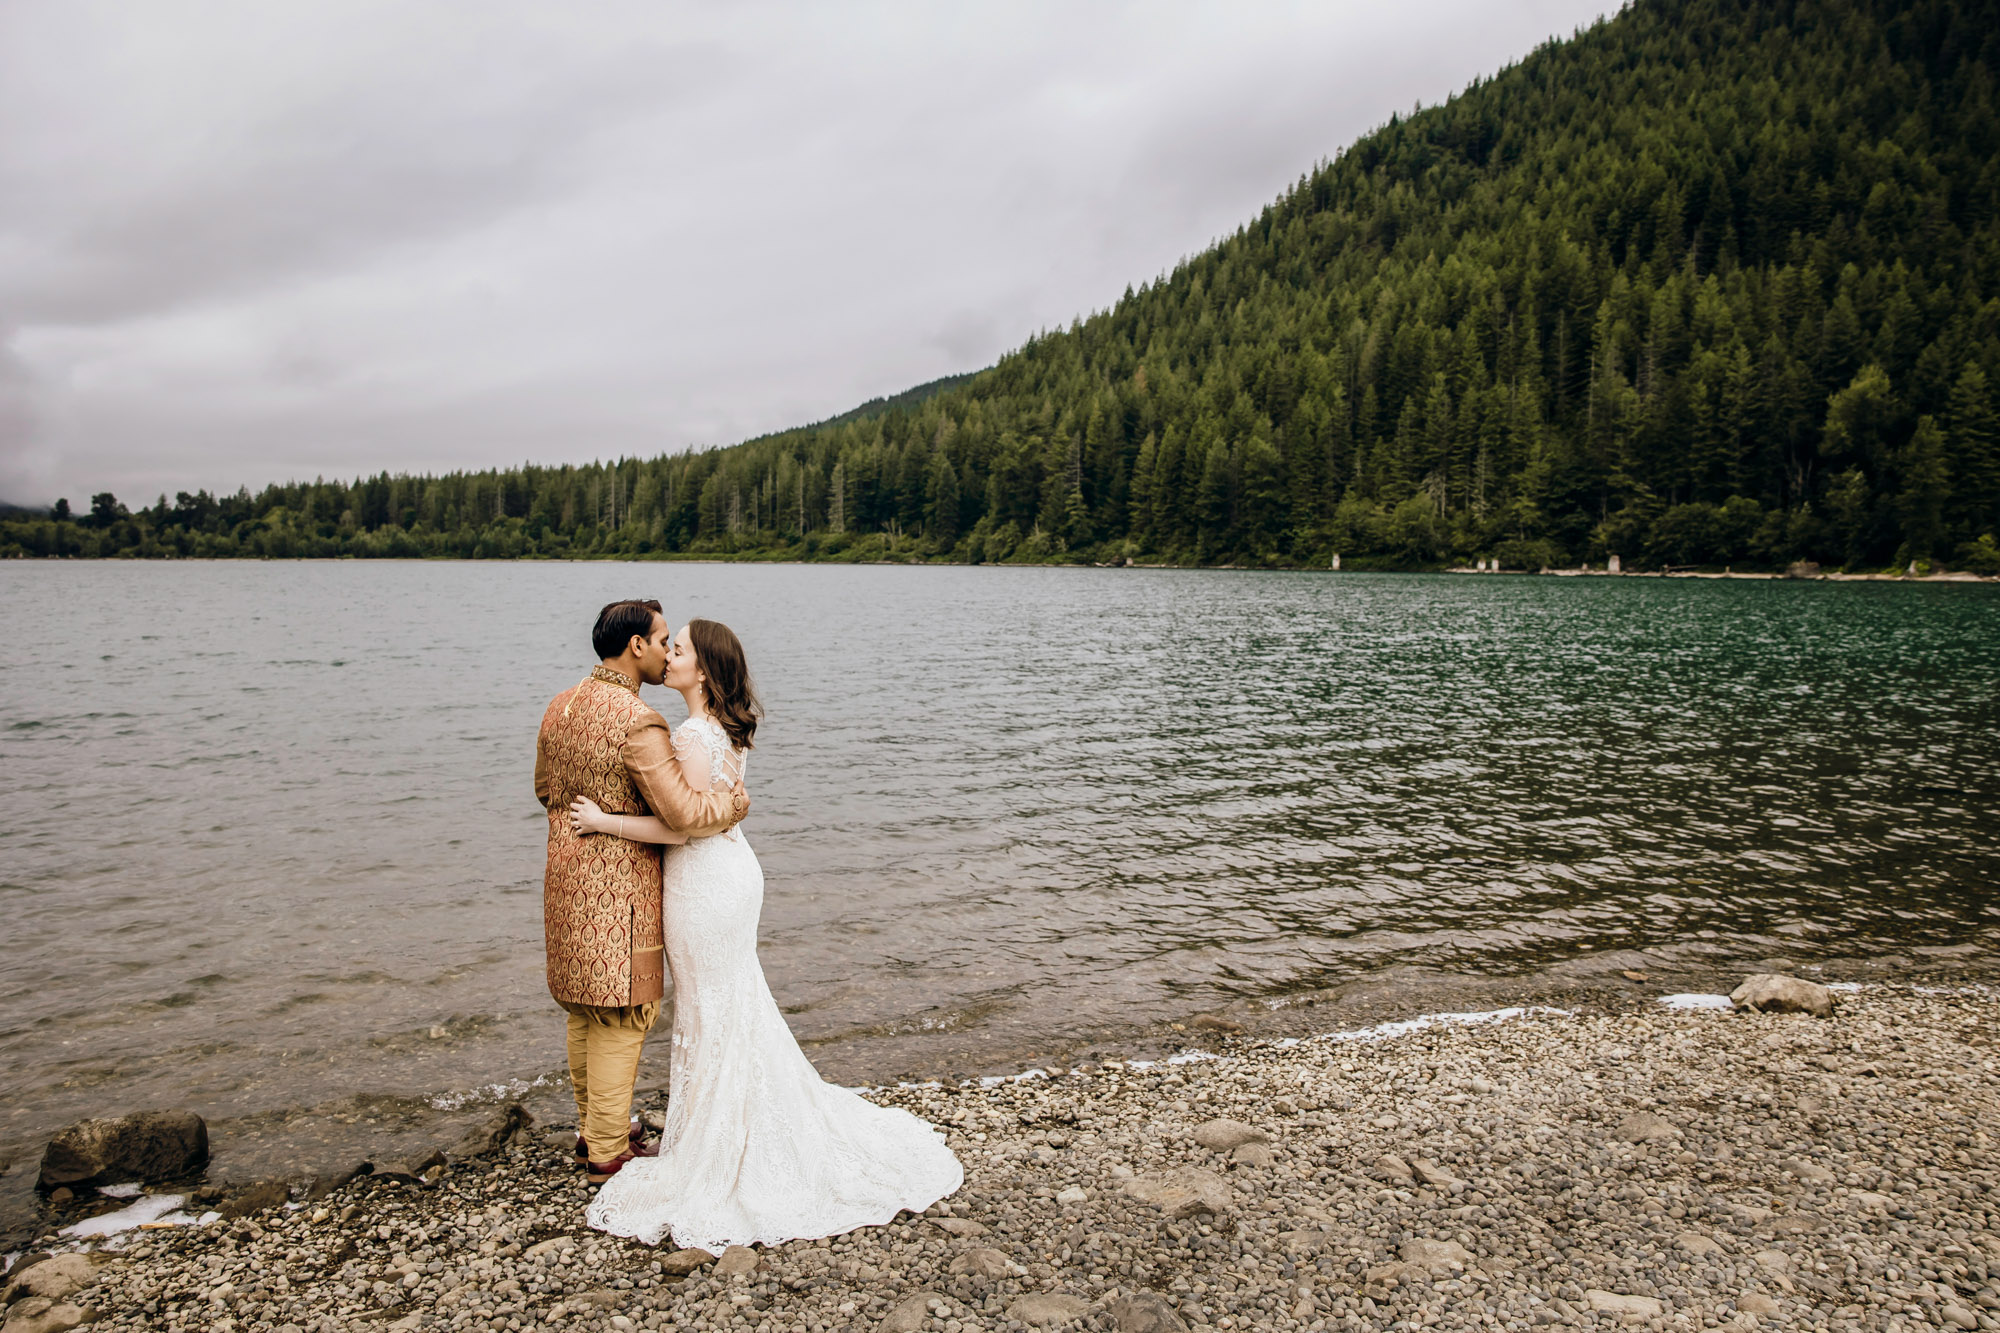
(601, 895)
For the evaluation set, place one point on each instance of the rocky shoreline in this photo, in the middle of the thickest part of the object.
(1669, 1168)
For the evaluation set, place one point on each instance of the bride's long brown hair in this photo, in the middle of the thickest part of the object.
(726, 680)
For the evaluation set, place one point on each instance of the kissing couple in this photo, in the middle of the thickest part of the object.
(648, 872)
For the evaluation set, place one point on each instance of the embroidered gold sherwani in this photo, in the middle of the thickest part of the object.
(601, 894)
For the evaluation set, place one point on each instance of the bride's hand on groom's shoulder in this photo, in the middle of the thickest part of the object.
(585, 816)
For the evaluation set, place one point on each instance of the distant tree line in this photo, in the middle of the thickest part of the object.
(1711, 282)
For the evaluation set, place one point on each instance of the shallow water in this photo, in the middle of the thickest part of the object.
(267, 833)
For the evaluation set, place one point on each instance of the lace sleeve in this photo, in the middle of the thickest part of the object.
(692, 749)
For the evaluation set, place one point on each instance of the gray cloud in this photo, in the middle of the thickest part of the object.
(243, 242)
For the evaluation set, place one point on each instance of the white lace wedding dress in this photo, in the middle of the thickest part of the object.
(758, 1148)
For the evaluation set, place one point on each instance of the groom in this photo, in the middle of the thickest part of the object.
(601, 895)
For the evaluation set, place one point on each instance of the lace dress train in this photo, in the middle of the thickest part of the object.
(758, 1149)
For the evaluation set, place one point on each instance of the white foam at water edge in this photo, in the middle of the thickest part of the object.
(1380, 1032)
(129, 1190)
(1686, 1000)
(1849, 986)
(512, 1089)
(153, 1208)
(1402, 1028)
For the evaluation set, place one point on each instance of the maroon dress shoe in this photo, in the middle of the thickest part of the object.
(599, 1172)
(637, 1137)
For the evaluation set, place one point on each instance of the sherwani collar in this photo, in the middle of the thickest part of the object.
(610, 677)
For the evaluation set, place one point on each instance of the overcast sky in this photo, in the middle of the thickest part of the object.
(245, 242)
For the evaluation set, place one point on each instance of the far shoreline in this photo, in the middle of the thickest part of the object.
(1705, 574)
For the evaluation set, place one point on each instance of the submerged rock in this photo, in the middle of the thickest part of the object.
(148, 1147)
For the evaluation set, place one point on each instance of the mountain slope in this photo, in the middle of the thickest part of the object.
(1710, 282)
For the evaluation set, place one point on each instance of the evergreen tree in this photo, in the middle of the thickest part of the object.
(1711, 281)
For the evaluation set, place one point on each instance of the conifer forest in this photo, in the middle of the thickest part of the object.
(1712, 282)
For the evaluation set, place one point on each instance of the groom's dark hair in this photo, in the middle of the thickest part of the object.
(618, 622)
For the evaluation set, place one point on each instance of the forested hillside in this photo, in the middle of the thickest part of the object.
(1712, 282)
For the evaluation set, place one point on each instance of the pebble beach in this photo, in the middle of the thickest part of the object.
(1681, 1167)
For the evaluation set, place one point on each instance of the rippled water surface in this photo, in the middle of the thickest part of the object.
(267, 832)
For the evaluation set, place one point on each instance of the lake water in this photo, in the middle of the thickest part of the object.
(267, 833)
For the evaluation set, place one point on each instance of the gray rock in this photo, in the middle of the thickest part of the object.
(1391, 1167)
(499, 1131)
(255, 1198)
(1047, 1309)
(682, 1262)
(1757, 1303)
(1430, 1173)
(963, 1227)
(333, 1180)
(39, 1314)
(1618, 1303)
(1145, 1312)
(987, 1263)
(55, 1277)
(736, 1259)
(1182, 1192)
(1645, 1127)
(910, 1314)
(1771, 993)
(149, 1146)
(1696, 1244)
(1222, 1135)
(1435, 1256)
(410, 1169)
(1253, 1154)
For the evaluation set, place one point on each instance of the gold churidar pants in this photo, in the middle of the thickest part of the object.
(604, 1047)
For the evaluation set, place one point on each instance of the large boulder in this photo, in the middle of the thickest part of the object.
(148, 1146)
(39, 1314)
(1771, 993)
(56, 1278)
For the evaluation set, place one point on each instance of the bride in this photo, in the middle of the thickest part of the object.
(758, 1149)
